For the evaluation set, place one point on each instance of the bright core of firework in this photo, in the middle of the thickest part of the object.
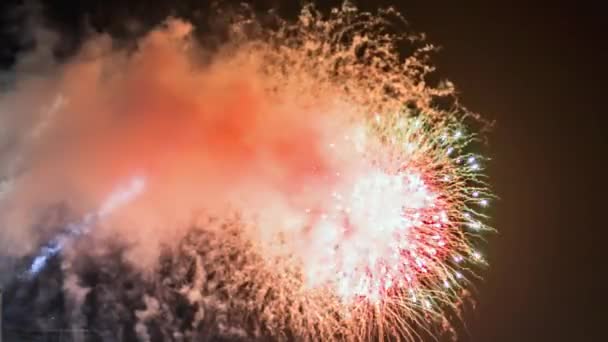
(369, 243)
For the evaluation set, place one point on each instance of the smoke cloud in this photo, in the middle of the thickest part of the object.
(214, 136)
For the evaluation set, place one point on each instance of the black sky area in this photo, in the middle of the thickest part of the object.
(537, 70)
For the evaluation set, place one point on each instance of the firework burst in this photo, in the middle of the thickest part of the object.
(391, 248)
(303, 181)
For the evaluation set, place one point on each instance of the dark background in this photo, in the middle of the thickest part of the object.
(538, 71)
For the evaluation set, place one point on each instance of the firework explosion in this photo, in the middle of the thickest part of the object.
(389, 250)
(301, 182)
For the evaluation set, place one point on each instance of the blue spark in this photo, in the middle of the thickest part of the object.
(116, 199)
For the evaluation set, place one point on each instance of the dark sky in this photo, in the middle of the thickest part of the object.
(537, 70)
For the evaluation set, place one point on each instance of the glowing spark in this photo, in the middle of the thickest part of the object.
(117, 199)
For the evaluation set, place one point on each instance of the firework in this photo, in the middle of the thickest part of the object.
(392, 246)
(396, 240)
(117, 199)
(302, 181)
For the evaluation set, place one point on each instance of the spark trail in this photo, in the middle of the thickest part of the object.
(120, 197)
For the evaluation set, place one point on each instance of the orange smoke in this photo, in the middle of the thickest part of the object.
(206, 136)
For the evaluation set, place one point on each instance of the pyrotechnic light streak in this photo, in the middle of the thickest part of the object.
(117, 199)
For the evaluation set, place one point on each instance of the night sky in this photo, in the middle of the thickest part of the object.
(537, 72)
